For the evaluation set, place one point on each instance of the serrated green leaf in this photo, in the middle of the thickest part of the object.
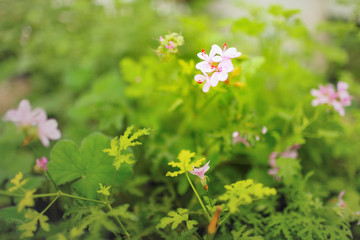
(175, 218)
(244, 192)
(30, 227)
(122, 211)
(288, 169)
(27, 201)
(121, 144)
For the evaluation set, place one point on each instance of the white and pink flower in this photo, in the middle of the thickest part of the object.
(27, 119)
(23, 116)
(217, 65)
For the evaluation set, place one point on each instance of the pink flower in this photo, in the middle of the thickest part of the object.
(171, 45)
(221, 72)
(236, 138)
(290, 152)
(229, 53)
(341, 202)
(30, 119)
(47, 130)
(264, 130)
(203, 78)
(328, 95)
(200, 172)
(273, 171)
(23, 116)
(41, 164)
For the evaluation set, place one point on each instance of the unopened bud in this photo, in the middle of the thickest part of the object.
(214, 221)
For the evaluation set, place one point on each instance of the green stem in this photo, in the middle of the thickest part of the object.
(52, 180)
(120, 223)
(198, 197)
(224, 218)
(45, 195)
(112, 182)
(52, 202)
(208, 194)
(81, 198)
(11, 194)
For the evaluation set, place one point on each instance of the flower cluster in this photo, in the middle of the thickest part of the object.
(34, 122)
(169, 44)
(290, 152)
(328, 95)
(216, 66)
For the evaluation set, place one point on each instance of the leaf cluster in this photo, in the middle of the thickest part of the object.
(121, 144)
(244, 192)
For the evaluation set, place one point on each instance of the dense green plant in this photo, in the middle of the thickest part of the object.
(276, 166)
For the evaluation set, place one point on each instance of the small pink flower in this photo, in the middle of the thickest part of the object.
(328, 95)
(23, 116)
(221, 72)
(200, 172)
(236, 138)
(341, 202)
(34, 119)
(203, 78)
(171, 45)
(229, 53)
(161, 38)
(264, 130)
(290, 152)
(41, 164)
(47, 130)
(273, 171)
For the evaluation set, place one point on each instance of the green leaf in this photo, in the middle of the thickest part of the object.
(87, 166)
(95, 221)
(11, 215)
(27, 201)
(30, 227)
(278, 10)
(122, 211)
(249, 27)
(175, 218)
(185, 163)
(288, 169)
(244, 192)
(121, 144)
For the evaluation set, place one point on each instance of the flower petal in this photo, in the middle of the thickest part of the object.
(215, 49)
(204, 66)
(206, 86)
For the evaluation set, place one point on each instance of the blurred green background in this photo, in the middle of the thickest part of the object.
(93, 66)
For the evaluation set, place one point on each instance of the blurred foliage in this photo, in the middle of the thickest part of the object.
(93, 67)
